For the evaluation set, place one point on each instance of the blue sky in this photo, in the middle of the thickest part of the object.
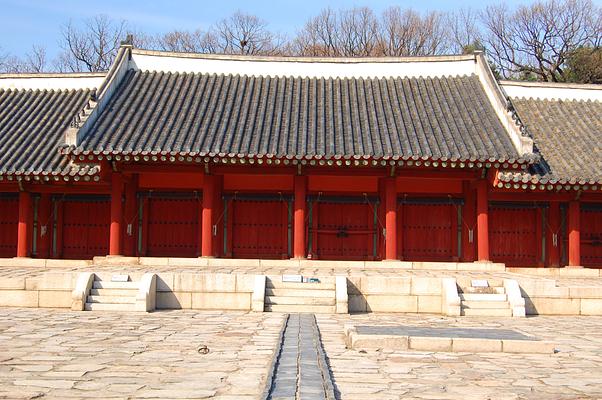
(27, 22)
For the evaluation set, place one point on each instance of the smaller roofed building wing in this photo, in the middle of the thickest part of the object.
(566, 126)
(35, 112)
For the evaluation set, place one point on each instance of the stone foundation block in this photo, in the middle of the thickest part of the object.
(552, 306)
(585, 292)
(430, 343)
(221, 301)
(591, 306)
(429, 304)
(426, 285)
(165, 281)
(232, 263)
(245, 283)
(474, 345)
(18, 298)
(54, 298)
(527, 346)
(359, 342)
(12, 283)
(52, 281)
(357, 304)
(390, 303)
(174, 300)
(354, 284)
(187, 262)
(382, 285)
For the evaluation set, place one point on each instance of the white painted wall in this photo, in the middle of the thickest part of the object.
(545, 91)
(432, 67)
(51, 81)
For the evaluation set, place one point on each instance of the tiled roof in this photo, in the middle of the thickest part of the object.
(209, 114)
(32, 128)
(567, 134)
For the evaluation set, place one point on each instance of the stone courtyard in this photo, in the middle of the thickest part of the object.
(47, 353)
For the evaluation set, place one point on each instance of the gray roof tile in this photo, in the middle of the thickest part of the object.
(567, 135)
(32, 127)
(447, 117)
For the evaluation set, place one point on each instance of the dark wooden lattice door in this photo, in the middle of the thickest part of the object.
(591, 237)
(9, 220)
(85, 228)
(260, 229)
(513, 235)
(429, 232)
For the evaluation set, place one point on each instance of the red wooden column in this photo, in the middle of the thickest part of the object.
(23, 226)
(482, 221)
(300, 208)
(574, 234)
(468, 223)
(553, 235)
(116, 214)
(207, 216)
(44, 225)
(131, 222)
(391, 219)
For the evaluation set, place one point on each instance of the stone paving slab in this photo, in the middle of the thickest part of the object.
(377, 374)
(56, 354)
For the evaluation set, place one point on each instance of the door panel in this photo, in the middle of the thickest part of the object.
(9, 220)
(591, 237)
(85, 228)
(344, 231)
(513, 235)
(173, 226)
(260, 229)
(429, 232)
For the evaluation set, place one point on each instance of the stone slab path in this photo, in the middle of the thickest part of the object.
(575, 372)
(63, 355)
(300, 372)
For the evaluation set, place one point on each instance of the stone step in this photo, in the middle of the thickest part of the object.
(273, 284)
(486, 312)
(483, 297)
(289, 308)
(490, 290)
(111, 299)
(485, 304)
(108, 307)
(299, 292)
(312, 301)
(114, 285)
(114, 292)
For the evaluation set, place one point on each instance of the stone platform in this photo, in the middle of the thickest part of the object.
(228, 284)
(446, 339)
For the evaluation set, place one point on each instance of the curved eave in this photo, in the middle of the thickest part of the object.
(526, 181)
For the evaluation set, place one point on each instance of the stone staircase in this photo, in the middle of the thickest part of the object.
(297, 297)
(106, 295)
(491, 300)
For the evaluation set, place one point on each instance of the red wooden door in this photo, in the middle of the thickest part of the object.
(260, 229)
(513, 235)
(429, 232)
(172, 227)
(591, 236)
(85, 227)
(9, 219)
(344, 231)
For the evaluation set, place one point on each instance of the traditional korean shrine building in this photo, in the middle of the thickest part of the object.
(188, 155)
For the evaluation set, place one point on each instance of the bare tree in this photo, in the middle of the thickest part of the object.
(91, 47)
(242, 34)
(319, 36)
(185, 41)
(35, 60)
(465, 33)
(535, 41)
(407, 33)
(358, 32)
